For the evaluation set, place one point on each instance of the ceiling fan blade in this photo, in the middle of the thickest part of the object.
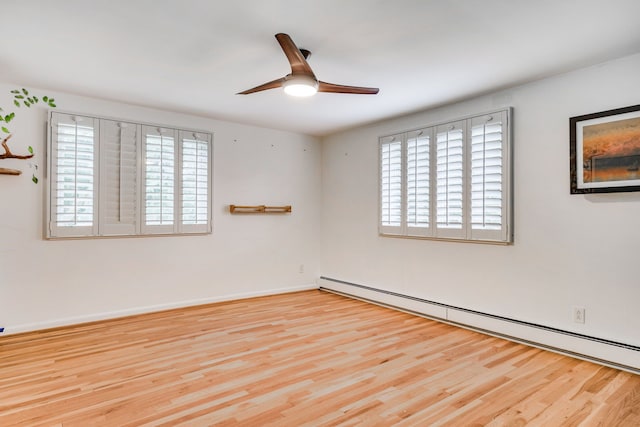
(302, 74)
(299, 65)
(334, 88)
(270, 85)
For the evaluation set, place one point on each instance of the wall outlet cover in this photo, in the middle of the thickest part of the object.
(579, 314)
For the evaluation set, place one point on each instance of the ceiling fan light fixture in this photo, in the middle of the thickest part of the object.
(300, 85)
(302, 81)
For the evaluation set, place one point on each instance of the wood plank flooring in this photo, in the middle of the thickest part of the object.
(302, 359)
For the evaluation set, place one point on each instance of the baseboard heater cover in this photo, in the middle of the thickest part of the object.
(605, 352)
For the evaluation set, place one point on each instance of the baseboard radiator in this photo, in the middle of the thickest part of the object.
(605, 352)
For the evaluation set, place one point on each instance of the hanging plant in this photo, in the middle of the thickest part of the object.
(20, 97)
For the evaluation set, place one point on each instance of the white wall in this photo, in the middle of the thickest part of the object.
(570, 250)
(47, 283)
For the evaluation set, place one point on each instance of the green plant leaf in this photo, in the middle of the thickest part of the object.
(1, 119)
(8, 118)
(5, 130)
(15, 91)
(12, 115)
(35, 99)
(51, 104)
(27, 103)
(30, 149)
(19, 97)
(34, 179)
(25, 91)
(45, 98)
(16, 103)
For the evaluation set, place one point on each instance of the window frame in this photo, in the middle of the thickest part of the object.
(52, 231)
(467, 232)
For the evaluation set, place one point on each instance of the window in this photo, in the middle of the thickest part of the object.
(448, 181)
(391, 183)
(195, 179)
(418, 181)
(73, 193)
(119, 178)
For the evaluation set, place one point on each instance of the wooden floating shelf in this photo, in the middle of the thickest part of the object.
(259, 209)
(5, 171)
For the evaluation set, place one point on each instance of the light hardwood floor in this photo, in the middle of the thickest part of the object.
(302, 359)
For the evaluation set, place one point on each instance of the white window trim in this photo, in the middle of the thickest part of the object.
(466, 233)
(53, 232)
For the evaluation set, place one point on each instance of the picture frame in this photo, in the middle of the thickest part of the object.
(605, 151)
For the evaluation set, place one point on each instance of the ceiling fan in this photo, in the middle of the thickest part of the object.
(301, 81)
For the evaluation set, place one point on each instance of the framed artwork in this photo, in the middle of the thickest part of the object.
(605, 151)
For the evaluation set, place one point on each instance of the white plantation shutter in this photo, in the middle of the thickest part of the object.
(159, 155)
(391, 184)
(195, 181)
(73, 169)
(417, 182)
(449, 181)
(488, 180)
(118, 176)
(450, 176)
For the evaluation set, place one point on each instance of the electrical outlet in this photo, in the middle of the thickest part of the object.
(578, 314)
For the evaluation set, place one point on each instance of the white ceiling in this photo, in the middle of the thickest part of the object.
(192, 56)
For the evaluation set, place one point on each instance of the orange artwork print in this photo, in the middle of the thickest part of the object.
(611, 151)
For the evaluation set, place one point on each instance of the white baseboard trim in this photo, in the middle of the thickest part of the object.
(602, 351)
(67, 321)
